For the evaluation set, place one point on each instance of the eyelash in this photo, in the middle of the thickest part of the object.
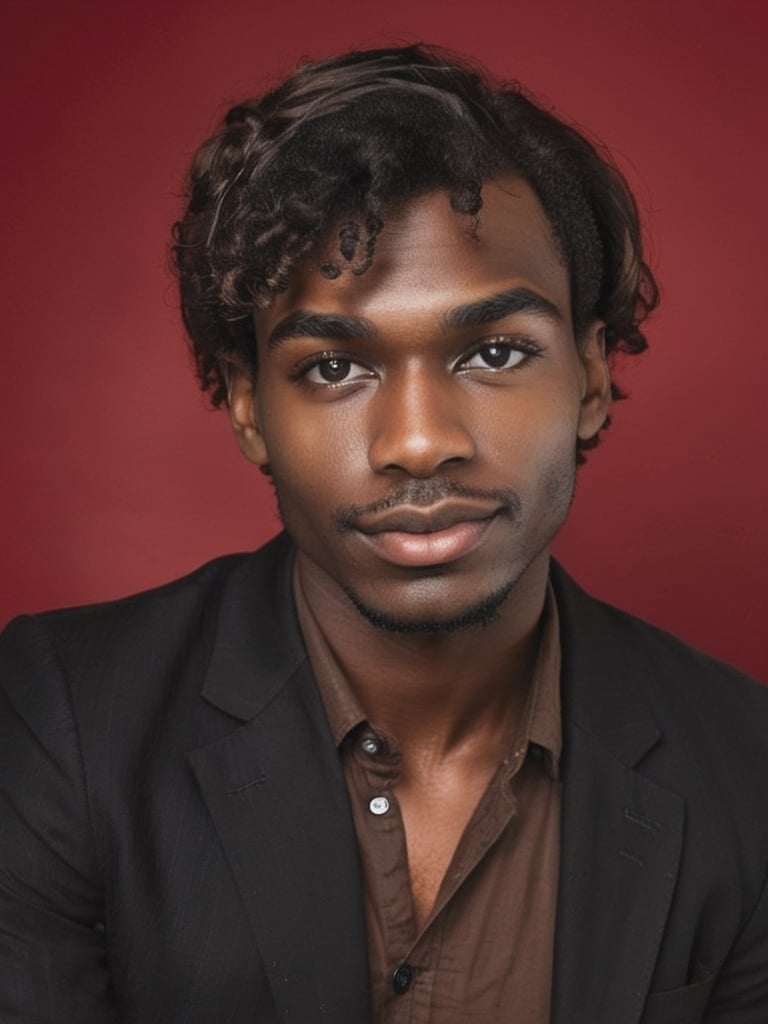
(524, 346)
(305, 366)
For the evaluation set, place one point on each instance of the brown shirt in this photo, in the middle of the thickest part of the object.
(485, 952)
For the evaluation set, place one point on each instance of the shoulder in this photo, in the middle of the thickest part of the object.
(162, 609)
(610, 637)
(116, 693)
(143, 641)
(612, 659)
(176, 599)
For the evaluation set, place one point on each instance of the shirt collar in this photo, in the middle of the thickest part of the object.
(540, 728)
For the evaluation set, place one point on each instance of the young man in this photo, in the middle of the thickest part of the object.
(395, 766)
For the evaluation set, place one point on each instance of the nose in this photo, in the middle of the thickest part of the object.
(419, 424)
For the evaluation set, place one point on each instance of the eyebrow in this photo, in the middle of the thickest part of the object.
(496, 307)
(337, 327)
(334, 327)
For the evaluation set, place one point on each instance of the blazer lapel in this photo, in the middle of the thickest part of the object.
(275, 792)
(622, 833)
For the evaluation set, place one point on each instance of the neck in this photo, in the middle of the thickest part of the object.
(434, 691)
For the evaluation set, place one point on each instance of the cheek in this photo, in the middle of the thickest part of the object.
(316, 465)
(558, 482)
(534, 432)
(310, 438)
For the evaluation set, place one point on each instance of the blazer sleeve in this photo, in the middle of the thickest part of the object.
(53, 960)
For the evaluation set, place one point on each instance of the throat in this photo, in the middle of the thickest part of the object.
(435, 817)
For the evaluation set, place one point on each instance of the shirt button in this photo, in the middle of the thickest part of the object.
(379, 805)
(402, 979)
(370, 745)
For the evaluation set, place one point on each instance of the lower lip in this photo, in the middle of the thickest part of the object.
(425, 549)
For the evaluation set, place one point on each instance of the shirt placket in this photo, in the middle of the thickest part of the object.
(375, 771)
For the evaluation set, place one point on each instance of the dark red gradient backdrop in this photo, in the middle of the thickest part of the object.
(115, 476)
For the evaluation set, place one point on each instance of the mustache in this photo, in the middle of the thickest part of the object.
(423, 493)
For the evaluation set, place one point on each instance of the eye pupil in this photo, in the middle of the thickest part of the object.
(334, 370)
(495, 355)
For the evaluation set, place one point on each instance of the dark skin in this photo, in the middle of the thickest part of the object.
(420, 422)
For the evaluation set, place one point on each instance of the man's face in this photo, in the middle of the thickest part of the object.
(421, 419)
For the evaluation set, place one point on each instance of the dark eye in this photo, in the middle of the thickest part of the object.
(335, 370)
(496, 355)
(332, 370)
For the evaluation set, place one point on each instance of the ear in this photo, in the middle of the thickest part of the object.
(596, 382)
(244, 414)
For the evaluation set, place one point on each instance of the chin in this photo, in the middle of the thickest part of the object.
(478, 615)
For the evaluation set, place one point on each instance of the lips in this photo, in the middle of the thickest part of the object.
(426, 520)
(419, 538)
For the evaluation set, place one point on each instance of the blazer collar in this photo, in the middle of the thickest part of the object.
(256, 642)
(257, 645)
(622, 831)
(604, 682)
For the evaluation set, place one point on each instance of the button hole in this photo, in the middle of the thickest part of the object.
(633, 857)
(258, 781)
(641, 820)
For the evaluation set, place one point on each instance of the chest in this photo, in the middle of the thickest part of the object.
(460, 884)
(434, 819)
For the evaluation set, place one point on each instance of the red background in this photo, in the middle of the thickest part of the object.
(115, 476)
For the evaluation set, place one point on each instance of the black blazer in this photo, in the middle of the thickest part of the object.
(176, 845)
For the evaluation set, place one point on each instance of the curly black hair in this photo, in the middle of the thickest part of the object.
(340, 141)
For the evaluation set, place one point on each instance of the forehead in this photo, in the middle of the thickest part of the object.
(430, 258)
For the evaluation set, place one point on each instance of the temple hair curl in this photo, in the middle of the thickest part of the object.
(339, 142)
